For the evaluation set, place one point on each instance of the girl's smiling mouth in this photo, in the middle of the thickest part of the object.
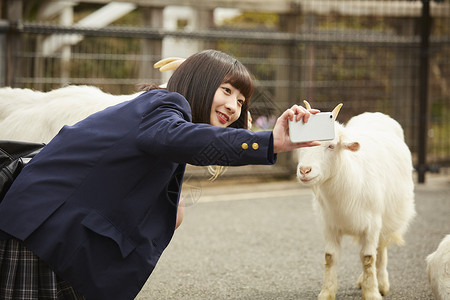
(223, 118)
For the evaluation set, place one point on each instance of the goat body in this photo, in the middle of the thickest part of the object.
(363, 186)
(34, 116)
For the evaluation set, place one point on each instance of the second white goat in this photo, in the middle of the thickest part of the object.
(438, 269)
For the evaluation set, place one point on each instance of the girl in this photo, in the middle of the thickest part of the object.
(90, 215)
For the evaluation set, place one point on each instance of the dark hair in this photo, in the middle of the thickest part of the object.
(198, 78)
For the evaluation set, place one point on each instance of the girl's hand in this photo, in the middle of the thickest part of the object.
(281, 141)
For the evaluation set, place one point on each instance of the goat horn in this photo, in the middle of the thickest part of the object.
(307, 105)
(336, 110)
(172, 65)
(165, 61)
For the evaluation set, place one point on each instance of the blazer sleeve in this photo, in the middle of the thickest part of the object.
(167, 132)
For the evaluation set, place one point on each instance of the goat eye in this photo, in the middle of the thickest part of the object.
(331, 146)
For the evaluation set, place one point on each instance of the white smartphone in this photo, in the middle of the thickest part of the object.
(320, 127)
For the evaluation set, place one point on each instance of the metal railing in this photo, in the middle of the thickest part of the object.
(403, 74)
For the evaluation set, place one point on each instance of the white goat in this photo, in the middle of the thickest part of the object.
(34, 116)
(438, 269)
(363, 186)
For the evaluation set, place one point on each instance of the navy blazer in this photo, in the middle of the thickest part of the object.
(99, 202)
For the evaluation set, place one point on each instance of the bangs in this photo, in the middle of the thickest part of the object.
(240, 79)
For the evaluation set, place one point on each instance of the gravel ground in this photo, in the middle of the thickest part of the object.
(262, 241)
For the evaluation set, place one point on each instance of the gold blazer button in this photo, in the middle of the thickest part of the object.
(255, 146)
(244, 146)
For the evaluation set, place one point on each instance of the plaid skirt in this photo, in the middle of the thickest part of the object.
(23, 276)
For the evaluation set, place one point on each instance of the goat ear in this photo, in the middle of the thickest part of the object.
(352, 146)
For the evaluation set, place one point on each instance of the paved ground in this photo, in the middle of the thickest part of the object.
(262, 241)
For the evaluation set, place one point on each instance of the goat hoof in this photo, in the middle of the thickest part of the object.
(383, 285)
(326, 295)
(384, 289)
(359, 282)
(372, 296)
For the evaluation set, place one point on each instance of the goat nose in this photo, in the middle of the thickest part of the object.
(305, 170)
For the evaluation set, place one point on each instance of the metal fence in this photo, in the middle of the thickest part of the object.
(396, 65)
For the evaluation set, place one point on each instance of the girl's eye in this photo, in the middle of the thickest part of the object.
(227, 90)
(241, 102)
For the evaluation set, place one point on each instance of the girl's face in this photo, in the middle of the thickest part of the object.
(226, 106)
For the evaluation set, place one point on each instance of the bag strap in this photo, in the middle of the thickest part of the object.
(11, 150)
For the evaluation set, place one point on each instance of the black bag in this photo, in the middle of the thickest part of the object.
(14, 155)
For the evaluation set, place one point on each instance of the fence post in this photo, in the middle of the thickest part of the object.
(14, 15)
(151, 49)
(286, 75)
(3, 53)
(423, 90)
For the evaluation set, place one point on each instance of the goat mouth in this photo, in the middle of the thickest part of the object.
(307, 179)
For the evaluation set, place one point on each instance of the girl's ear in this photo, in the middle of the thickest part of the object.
(239, 123)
